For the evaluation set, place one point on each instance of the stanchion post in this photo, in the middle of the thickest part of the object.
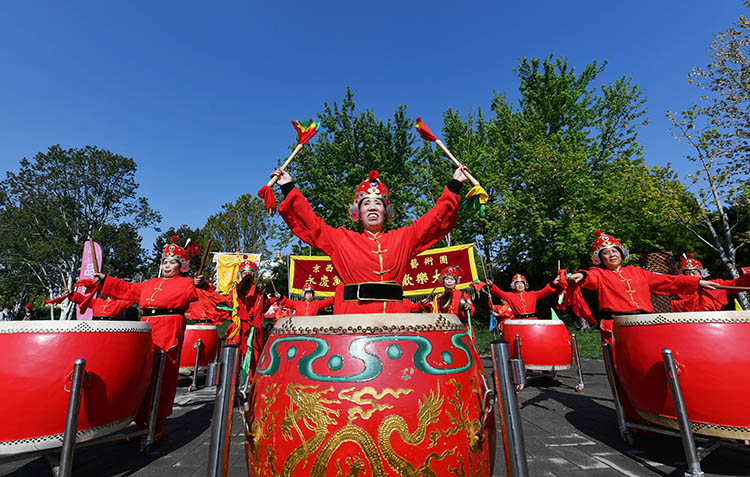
(71, 420)
(688, 443)
(153, 409)
(221, 424)
(197, 347)
(576, 356)
(609, 366)
(510, 414)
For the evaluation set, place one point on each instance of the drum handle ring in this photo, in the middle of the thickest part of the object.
(69, 381)
(488, 406)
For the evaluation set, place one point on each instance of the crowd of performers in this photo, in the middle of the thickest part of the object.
(370, 264)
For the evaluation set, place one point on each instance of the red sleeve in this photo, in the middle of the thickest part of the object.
(286, 302)
(591, 278)
(436, 223)
(120, 306)
(670, 284)
(498, 292)
(116, 288)
(77, 298)
(741, 281)
(326, 302)
(302, 221)
(545, 292)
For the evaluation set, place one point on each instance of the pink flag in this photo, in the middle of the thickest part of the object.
(87, 271)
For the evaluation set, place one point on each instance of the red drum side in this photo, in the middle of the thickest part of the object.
(379, 394)
(37, 367)
(210, 345)
(545, 344)
(710, 349)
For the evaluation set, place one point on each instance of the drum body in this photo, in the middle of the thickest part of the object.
(370, 395)
(545, 344)
(210, 345)
(710, 351)
(38, 359)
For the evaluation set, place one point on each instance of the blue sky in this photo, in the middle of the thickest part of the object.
(203, 94)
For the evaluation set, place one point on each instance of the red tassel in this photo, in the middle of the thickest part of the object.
(54, 301)
(90, 284)
(597, 233)
(269, 199)
(373, 175)
(424, 131)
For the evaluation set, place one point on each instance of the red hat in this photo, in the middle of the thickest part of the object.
(687, 262)
(29, 305)
(606, 241)
(247, 263)
(451, 271)
(518, 278)
(374, 189)
(308, 286)
(172, 250)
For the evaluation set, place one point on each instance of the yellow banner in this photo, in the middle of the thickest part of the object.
(227, 266)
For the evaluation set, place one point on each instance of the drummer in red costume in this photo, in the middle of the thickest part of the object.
(308, 306)
(704, 299)
(502, 311)
(451, 300)
(371, 264)
(163, 302)
(523, 301)
(250, 301)
(102, 308)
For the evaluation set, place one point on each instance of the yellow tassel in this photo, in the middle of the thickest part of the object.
(235, 314)
(479, 191)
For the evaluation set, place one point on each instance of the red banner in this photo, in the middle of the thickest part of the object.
(421, 275)
(87, 271)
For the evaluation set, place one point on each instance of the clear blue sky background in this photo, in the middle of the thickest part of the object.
(203, 92)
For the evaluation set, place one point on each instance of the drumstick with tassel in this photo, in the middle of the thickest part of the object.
(94, 260)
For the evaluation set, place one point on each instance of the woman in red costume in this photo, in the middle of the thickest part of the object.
(502, 311)
(523, 301)
(250, 302)
(704, 299)
(452, 300)
(163, 302)
(371, 264)
(308, 306)
(102, 308)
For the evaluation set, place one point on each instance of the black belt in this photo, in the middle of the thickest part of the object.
(102, 317)
(373, 292)
(161, 311)
(524, 315)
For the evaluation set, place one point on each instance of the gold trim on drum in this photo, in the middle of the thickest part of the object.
(367, 323)
(649, 319)
(706, 429)
(534, 322)
(74, 326)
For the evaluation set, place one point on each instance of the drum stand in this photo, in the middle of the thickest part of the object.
(221, 423)
(62, 465)
(693, 454)
(197, 347)
(520, 370)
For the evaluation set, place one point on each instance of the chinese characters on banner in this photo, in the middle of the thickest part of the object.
(421, 277)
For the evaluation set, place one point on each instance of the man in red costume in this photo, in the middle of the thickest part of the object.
(704, 299)
(523, 301)
(250, 302)
(308, 306)
(372, 263)
(452, 300)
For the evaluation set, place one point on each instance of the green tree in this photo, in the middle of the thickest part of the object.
(182, 234)
(717, 129)
(244, 224)
(53, 204)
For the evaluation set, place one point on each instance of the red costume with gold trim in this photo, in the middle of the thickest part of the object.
(250, 308)
(504, 312)
(704, 299)
(454, 305)
(523, 303)
(305, 308)
(368, 257)
(103, 307)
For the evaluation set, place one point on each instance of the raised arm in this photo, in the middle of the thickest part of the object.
(113, 287)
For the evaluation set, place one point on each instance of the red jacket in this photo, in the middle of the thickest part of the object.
(455, 305)
(370, 257)
(704, 299)
(304, 308)
(106, 307)
(629, 289)
(524, 302)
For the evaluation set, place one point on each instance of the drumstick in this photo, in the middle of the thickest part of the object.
(286, 163)
(274, 286)
(468, 175)
(93, 255)
(64, 281)
(203, 259)
(729, 287)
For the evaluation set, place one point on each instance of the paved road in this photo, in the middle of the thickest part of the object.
(566, 433)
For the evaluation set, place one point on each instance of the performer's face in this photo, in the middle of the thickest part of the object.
(449, 283)
(308, 296)
(519, 286)
(611, 257)
(246, 271)
(170, 267)
(372, 214)
(692, 273)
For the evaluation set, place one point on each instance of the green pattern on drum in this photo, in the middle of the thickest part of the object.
(393, 351)
(447, 358)
(291, 352)
(373, 364)
(335, 362)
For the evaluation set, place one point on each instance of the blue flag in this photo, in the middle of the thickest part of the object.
(493, 322)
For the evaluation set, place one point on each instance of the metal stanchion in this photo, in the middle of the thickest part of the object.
(510, 414)
(221, 424)
(574, 345)
(688, 443)
(609, 365)
(197, 347)
(212, 371)
(71, 420)
(519, 368)
(153, 411)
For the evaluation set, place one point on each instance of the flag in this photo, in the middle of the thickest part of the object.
(493, 321)
(306, 129)
(553, 315)
(475, 199)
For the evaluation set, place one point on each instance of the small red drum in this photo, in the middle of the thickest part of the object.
(37, 367)
(545, 344)
(711, 354)
(210, 345)
(370, 395)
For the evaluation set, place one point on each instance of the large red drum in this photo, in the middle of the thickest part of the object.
(210, 345)
(710, 350)
(545, 344)
(37, 367)
(369, 395)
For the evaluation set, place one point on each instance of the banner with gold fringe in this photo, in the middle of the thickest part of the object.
(421, 277)
(227, 265)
